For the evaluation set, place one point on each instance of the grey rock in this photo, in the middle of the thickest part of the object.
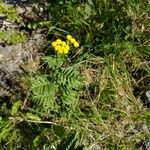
(147, 93)
(14, 57)
(22, 56)
(146, 145)
(146, 98)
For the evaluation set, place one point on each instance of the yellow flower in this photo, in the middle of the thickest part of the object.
(63, 43)
(72, 40)
(60, 51)
(69, 37)
(61, 47)
(76, 44)
(66, 49)
(57, 48)
(54, 44)
(58, 41)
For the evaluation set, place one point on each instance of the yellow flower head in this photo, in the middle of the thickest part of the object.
(57, 48)
(63, 43)
(72, 40)
(66, 49)
(54, 44)
(61, 47)
(76, 44)
(69, 37)
(58, 41)
(60, 51)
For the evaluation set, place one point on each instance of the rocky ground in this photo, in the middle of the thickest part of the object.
(14, 58)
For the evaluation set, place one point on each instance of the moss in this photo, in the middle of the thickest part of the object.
(12, 37)
(10, 12)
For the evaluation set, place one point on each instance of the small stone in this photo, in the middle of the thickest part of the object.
(146, 98)
(146, 145)
(147, 93)
(1, 56)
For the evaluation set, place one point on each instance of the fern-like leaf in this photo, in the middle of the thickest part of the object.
(44, 92)
(69, 81)
(53, 63)
(71, 142)
(68, 143)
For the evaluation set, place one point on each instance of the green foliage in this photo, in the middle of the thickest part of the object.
(8, 134)
(44, 92)
(15, 108)
(59, 131)
(12, 37)
(96, 91)
(32, 116)
(10, 12)
(6, 129)
(69, 143)
(59, 87)
(38, 24)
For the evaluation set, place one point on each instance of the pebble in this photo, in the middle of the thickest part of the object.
(147, 93)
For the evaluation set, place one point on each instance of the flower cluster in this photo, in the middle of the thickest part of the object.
(60, 46)
(73, 41)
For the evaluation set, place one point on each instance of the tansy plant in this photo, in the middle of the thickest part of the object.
(62, 47)
(61, 85)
